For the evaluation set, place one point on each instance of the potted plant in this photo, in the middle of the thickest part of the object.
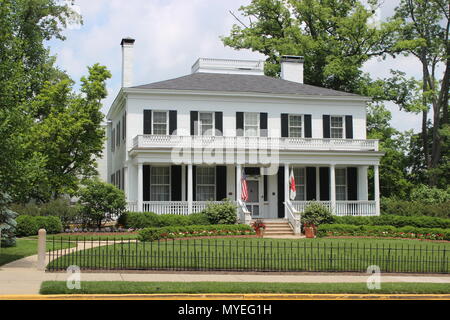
(259, 227)
(314, 215)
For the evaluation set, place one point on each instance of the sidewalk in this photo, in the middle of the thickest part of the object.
(22, 278)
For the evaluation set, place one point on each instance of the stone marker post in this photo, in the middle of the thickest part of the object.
(41, 249)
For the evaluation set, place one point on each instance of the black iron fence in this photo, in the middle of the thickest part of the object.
(248, 255)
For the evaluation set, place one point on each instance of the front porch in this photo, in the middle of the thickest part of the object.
(187, 189)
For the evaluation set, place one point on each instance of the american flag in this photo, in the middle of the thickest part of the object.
(244, 188)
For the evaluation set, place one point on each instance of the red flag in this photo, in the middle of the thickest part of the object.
(292, 188)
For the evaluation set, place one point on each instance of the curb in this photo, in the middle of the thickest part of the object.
(231, 297)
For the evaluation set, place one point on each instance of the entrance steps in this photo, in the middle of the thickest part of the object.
(279, 227)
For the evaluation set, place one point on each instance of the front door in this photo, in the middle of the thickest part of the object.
(253, 197)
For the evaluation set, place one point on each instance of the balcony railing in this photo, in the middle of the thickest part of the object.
(252, 143)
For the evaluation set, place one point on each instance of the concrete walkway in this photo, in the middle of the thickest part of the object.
(21, 277)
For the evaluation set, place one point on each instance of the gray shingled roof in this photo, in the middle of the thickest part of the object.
(241, 83)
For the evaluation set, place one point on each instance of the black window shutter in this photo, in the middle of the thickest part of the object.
(349, 127)
(175, 180)
(123, 179)
(311, 184)
(325, 184)
(172, 122)
(194, 182)
(239, 124)
(326, 127)
(124, 125)
(352, 183)
(266, 186)
(219, 123)
(284, 125)
(263, 126)
(194, 123)
(113, 140)
(308, 126)
(146, 182)
(147, 121)
(281, 192)
(221, 183)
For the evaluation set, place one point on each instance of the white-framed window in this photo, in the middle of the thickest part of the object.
(251, 124)
(341, 184)
(337, 127)
(300, 183)
(295, 126)
(206, 183)
(206, 123)
(160, 122)
(159, 183)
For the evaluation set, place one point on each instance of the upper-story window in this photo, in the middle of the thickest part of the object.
(160, 184)
(295, 126)
(206, 123)
(341, 184)
(206, 183)
(337, 127)
(160, 123)
(251, 124)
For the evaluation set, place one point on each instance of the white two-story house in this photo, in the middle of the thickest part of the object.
(176, 145)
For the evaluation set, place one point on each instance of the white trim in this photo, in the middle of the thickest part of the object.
(303, 125)
(199, 123)
(258, 132)
(167, 121)
(344, 135)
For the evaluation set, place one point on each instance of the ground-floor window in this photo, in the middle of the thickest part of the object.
(160, 184)
(206, 183)
(341, 184)
(300, 183)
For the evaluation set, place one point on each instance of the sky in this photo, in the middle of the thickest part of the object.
(170, 36)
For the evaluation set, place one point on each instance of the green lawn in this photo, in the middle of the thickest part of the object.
(266, 255)
(25, 247)
(121, 287)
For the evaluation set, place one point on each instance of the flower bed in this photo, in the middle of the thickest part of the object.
(152, 234)
(333, 230)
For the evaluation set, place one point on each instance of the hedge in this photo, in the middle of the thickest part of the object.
(30, 225)
(141, 220)
(396, 221)
(152, 234)
(414, 208)
(383, 231)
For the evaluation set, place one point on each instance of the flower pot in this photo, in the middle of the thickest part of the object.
(260, 232)
(310, 231)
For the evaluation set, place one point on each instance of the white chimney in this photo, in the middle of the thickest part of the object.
(292, 68)
(127, 62)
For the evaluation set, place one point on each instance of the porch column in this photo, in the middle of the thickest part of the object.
(286, 187)
(140, 202)
(190, 186)
(238, 182)
(318, 183)
(377, 188)
(333, 187)
(363, 193)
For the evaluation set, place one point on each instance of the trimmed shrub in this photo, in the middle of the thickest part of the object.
(396, 221)
(429, 195)
(30, 225)
(316, 214)
(383, 231)
(391, 206)
(152, 234)
(223, 213)
(140, 220)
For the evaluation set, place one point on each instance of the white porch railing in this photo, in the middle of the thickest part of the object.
(343, 208)
(172, 207)
(293, 217)
(132, 206)
(252, 143)
(244, 215)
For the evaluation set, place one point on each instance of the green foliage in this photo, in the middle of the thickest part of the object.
(222, 213)
(59, 208)
(395, 221)
(316, 214)
(414, 208)
(430, 195)
(334, 37)
(100, 201)
(173, 232)
(140, 220)
(30, 225)
(7, 223)
(383, 231)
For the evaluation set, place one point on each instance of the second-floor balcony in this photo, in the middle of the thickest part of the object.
(253, 143)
